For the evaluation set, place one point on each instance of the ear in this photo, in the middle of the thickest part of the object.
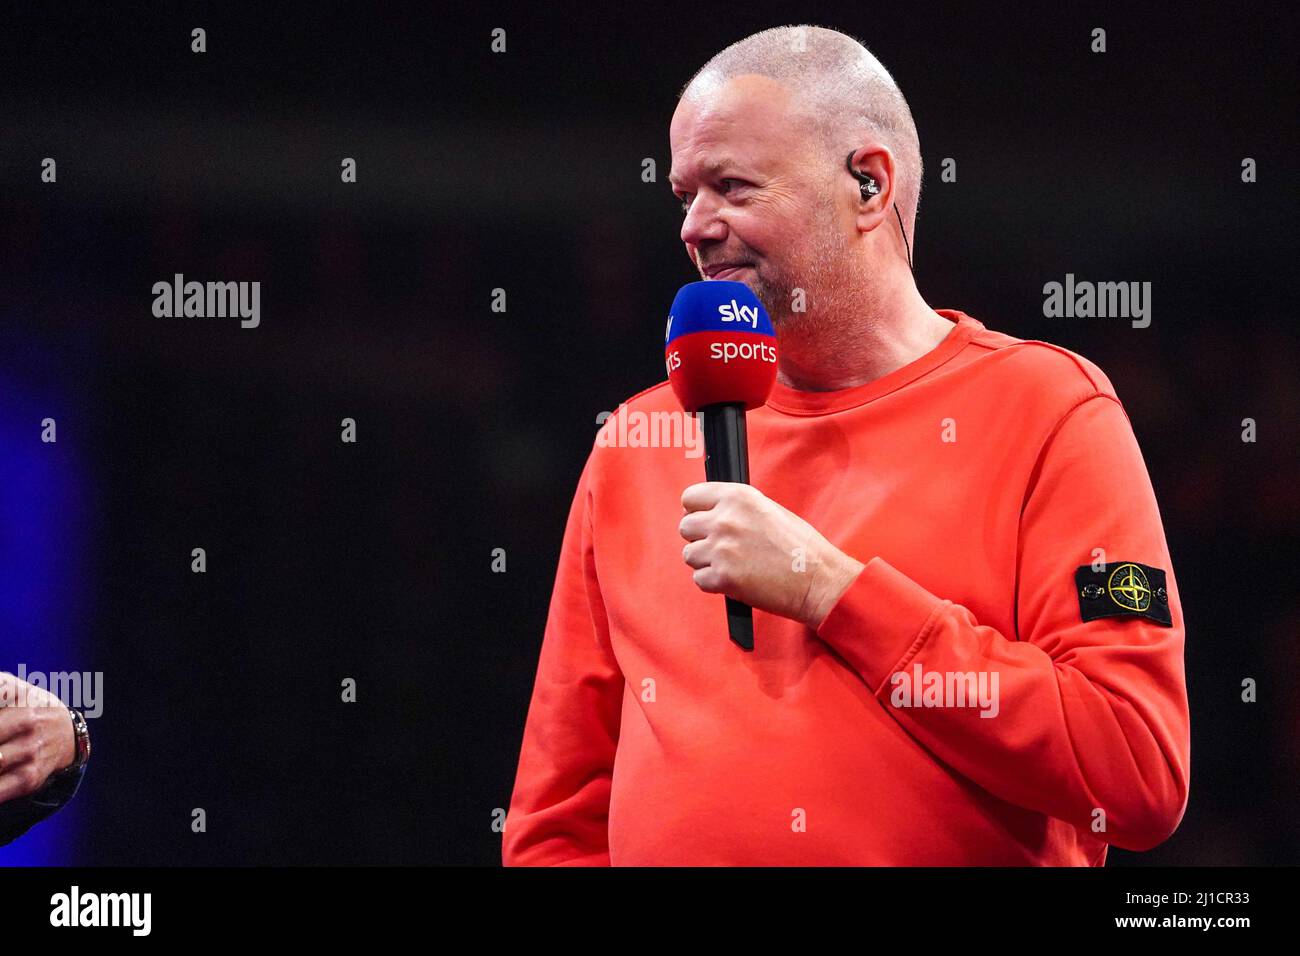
(874, 160)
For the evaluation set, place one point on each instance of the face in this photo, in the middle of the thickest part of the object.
(757, 195)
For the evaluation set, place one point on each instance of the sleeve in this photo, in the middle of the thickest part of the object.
(559, 810)
(19, 816)
(1090, 715)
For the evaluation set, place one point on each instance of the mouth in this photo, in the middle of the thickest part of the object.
(724, 270)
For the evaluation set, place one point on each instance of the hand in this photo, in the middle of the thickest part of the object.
(36, 737)
(746, 546)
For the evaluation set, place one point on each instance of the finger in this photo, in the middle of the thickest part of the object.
(17, 782)
(708, 580)
(703, 495)
(696, 554)
(14, 723)
(8, 689)
(694, 527)
(16, 774)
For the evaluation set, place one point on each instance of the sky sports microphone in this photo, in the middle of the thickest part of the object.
(720, 350)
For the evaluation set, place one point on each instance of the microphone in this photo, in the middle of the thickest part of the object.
(720, 350)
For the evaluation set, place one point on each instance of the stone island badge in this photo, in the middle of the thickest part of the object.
(1123, 589)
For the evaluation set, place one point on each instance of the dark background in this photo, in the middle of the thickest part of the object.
(523, 170)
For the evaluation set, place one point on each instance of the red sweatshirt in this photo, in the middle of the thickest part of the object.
(997, 687)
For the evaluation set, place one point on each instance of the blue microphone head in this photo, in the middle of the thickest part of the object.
(719, 346)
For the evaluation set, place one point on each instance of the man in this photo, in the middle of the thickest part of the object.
(43, 752)
(968, 637)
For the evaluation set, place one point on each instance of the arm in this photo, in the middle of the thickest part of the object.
(19, 816)
(1092, 714)
(559, 811)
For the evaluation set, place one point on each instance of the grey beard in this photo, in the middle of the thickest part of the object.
(827, 298)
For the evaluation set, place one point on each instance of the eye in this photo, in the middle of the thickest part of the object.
(726, 186)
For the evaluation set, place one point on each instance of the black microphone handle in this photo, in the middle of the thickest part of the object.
(726, 458)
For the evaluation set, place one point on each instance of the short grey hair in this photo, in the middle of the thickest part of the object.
(843, 91)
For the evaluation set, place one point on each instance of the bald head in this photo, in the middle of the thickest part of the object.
(839, 90)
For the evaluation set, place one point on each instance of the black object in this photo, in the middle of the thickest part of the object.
(871, 188)
(726, 458)
(1123, 589)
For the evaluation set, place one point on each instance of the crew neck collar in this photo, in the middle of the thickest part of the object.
(793, 401)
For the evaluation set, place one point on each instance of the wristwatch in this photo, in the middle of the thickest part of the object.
(83, 743)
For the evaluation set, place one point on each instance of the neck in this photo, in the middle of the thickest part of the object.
(869, 336)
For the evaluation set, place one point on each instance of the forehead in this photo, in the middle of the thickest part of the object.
(750, 120)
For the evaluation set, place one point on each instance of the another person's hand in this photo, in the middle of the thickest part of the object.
(36, 737)
(746, 546)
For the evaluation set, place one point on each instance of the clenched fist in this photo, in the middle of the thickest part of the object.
(746, 546)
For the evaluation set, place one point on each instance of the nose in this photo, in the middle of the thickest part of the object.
(702, 223)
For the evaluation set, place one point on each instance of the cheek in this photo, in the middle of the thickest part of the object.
(774, 231)
(756, 235)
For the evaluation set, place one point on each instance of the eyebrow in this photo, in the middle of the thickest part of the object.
(712, 169)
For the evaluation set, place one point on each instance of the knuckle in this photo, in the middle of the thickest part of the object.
(29, 778)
